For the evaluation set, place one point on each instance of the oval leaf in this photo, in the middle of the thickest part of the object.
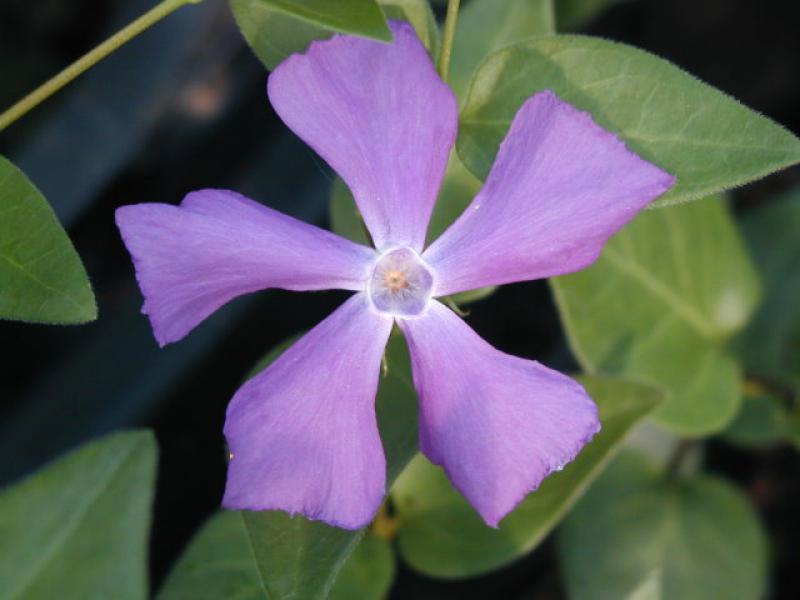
(693, 540)
(219, 563)
(441, 535)
(78, 529)
(706, 139)
(42, 279)
(487, 25)
(274, 34)
(688, 285)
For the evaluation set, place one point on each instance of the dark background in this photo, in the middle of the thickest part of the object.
(183, 107)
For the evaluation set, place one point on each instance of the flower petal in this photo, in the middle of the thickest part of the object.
(498, 424)
(381, 117)
(559, 188)
(303, 433)
(193, 258)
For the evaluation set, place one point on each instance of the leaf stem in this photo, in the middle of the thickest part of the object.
(447, 37)
(677, 461)
(90, 59)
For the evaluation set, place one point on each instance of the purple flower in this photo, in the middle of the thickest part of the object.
(303, 432)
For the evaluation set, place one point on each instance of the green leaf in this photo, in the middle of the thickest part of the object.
(487, 25)
(697, 133)
(369, 572)
(770, 346)
(571, 15)
(218, 563)
(698, 539)
(687, 285)
(298, 558)
(441, 535)
(274, 34)
(761, 421)
(78, 529)
(42, 279)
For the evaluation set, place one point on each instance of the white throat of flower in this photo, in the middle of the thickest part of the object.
(401, 283)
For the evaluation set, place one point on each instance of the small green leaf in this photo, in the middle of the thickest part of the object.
(274, 33)
(368, 573)
(697, 133)
(217, 564)
(687, 285)
(78, 529)
(770, 346)
(487, 25)
(42, 279)
(441, 535)
(698, 539)
(298, 558)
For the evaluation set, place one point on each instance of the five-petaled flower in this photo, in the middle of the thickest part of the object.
(303, 432)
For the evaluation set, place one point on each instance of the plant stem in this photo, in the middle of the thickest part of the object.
(447, 37)
(90, 59)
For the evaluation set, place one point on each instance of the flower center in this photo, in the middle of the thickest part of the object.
(401, 283)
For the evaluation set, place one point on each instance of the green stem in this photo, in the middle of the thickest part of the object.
(447, 37)
(90, 59)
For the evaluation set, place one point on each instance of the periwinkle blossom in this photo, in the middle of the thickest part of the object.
(303, 433)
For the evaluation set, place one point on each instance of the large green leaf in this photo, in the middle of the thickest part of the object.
(78, 529)
(274, 34)
(697, 133)
(659, 303)
(42, 279)
(298, 558)
(219, 563)
(487, 25)
(441, 535)
(770, 346)
(697, 539)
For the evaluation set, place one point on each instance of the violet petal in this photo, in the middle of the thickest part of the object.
(193, 258)
(303, 433)
(382, 119)
(498, 424)
(559, 188)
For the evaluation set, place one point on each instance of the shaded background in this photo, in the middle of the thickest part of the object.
(184, 107)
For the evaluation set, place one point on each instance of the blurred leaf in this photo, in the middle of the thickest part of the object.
(487, 25)
(298, 558)
(78, 529)
(708, 140)
(368, 573)
(217, 564)
(699, 538)
(571, 15)
(441, 535)
(42, 279)
(273, 35)
(770, 346)
(761, 421)
(659, 303)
